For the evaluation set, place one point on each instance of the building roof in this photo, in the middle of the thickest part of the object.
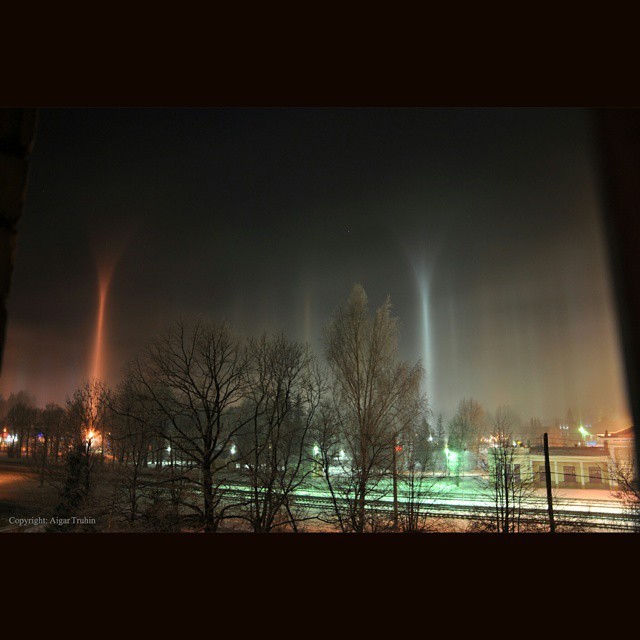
(623, 433)
(583, 452)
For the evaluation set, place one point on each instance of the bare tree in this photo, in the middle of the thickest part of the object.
(625, 475)
(285, 389)
(75, 481)
(85, 415)
(507, 485)
(418, 480)
(464, 433)
(83, 421)
(52, 419)
(21, 418)
(131, 436)
(79, 430)
(370, 394)
(194, 379)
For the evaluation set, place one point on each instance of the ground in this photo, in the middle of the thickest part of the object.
(22, 496)
(20, 493)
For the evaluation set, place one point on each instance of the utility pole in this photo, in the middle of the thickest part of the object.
(395, 483)
(547, 473)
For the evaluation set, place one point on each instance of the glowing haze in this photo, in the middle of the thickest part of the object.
(482, 225)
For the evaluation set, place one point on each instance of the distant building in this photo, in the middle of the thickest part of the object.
(572, 467)
(620, 445)
(580, 458)
(559, 434)
(589, 465)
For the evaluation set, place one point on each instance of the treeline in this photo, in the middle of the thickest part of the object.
(34, 432)
(207, 426)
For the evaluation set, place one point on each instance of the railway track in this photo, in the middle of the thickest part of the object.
(599, 515)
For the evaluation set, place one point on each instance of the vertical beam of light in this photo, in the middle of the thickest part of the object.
(423, 255)
(423, 258)
(427, 338)
(97, 369)
(109, 245)
(422, 275)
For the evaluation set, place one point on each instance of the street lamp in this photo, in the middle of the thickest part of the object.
(583, 432)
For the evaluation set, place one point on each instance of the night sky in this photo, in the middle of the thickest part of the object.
(482, 225)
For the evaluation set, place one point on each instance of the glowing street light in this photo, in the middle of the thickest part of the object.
(450, 456)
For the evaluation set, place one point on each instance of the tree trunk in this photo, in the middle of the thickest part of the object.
(207, 490)
(45, 451)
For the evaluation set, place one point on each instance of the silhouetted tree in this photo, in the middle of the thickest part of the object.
(625, 476)
(507, 485)
(21, 418)
(77, 483)
(465, 429)
(85, 413)
(370, 394)
(192, 381)
(285, 390)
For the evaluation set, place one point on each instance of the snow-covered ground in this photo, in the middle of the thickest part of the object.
(580, 494)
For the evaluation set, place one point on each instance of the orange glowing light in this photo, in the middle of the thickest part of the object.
(108, 247)
(98, 367)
